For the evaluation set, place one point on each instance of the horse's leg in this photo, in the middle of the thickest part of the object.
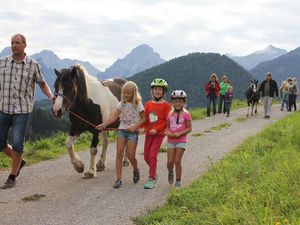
(248, 108)
(75, 160)
(256, 103)
(101, 163)
(252, 107)
(91, 172)
(125, 159)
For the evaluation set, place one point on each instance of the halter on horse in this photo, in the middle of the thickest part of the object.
(89, 103)
(252, 95)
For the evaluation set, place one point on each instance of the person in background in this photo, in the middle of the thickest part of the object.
(18, 76)
(224, 84)
(283, 92)
(269, 89)
(228, 100)
(292, 93)
(156, 111)
(212, 89)
(178, 126)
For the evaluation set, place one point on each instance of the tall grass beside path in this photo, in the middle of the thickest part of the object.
(200, 113)
(257, 184)
(51, 148)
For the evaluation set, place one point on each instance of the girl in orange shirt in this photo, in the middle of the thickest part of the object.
(156, 112)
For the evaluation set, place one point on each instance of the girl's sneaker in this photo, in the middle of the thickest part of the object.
(177, 184)
(171, 177)
(136, 176)
(150, 184)
(117, 184)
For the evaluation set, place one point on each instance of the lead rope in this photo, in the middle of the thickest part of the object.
(81, 118)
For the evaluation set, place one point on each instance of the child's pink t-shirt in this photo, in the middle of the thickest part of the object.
(174, 127)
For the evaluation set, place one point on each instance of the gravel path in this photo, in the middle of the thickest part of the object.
(69, 199)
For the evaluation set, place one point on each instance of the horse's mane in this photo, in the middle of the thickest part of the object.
(86, 76)
(97, 92)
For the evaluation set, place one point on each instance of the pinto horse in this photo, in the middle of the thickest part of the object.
(252, 95)
(89, 102)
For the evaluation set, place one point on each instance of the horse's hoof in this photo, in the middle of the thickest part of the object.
(78, 166)
(247, 115)
(89, 174)
(125, 163)
(100, 166)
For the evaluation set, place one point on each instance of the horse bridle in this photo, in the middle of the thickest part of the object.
(253, 92)
(81, 118)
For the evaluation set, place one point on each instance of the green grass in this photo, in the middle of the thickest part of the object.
(200, 113)
(163, 148)
(51, 148)
(33, 198)
(257, 184)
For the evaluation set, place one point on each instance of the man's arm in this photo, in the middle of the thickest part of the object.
(46, 90)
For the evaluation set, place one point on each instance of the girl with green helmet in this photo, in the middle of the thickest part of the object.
(156, 111)
(158, 83)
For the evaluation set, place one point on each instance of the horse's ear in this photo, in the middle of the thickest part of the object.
(73, 72)
(252, 81)
(57, 72)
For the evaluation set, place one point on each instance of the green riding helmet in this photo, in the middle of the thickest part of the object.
(159, 83)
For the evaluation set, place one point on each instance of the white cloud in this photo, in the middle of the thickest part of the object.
(100, 31)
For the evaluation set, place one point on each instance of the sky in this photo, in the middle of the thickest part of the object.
(101, 31)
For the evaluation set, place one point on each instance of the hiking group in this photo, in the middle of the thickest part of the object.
(223, 93)
(18, 75)
(156, 119)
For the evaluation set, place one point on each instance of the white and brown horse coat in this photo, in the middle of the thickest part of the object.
(94, 102)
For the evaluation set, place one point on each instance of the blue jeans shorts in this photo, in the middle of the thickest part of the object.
(177, 145)
(19, 124)
(128, 135)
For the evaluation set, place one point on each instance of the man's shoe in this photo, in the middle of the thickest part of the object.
(23, 163)
(9, 184)
(136, 176)
(150, 184)
(117, 184)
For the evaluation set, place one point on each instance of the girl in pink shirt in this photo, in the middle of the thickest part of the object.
(179, 124)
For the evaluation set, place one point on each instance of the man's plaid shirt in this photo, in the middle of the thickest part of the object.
(17, 84)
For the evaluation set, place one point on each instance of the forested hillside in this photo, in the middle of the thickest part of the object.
(43, 124)
(191, 72)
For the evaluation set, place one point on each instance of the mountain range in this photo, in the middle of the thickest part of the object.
(139, 59)
(190, 73)
(143, 64)
(281, 67)
(252, 60)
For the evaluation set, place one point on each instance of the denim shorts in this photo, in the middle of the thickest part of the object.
(19, 124)
(128, 135)
(177, 145)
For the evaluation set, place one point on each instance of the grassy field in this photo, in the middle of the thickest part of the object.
(258, 183)
(51, 148)
(200, 113)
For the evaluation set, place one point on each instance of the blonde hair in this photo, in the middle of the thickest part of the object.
(136, 97)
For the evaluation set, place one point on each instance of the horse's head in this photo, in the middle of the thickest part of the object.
(254, 85)
(66, 90)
